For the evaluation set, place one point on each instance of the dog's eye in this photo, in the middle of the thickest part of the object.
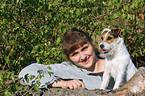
(109, 38)
(102, 38)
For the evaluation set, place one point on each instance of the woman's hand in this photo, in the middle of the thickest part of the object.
(72, 84)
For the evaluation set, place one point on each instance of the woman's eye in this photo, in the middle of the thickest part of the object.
(109, 38)
(84, 48)
(74, 54)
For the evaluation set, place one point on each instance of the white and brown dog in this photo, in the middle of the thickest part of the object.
(117, 59)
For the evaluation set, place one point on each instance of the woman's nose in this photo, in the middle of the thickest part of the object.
(82, 56)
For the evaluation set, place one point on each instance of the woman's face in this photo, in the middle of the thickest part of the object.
(84, 57)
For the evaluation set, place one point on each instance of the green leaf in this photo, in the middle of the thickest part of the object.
(37, 59)
(7, 93)
(49, 73)
(17, 1)
(58, 40)
(13, 78)
(1, 77)
(49, 68)
(26, 78)
(22, 58)
(37, 82)
(11, 42)
(36, 88)
(78, 12)
(7, 59)
(17, 87)
(56, 90)
(24, 88)
(32, 77)
(37, 78)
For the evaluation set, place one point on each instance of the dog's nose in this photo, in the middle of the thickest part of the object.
(101, 46)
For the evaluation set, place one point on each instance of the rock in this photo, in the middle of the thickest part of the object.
(134, 87)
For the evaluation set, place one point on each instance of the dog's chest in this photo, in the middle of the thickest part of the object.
(113, 68)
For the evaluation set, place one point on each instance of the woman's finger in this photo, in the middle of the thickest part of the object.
(81, 84)
(77, 83)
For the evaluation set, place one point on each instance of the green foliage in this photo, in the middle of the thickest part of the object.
(32, 30)
(56, 90)
(36, 88)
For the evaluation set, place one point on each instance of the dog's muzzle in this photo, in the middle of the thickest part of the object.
(103, 50)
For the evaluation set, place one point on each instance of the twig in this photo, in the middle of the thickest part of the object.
(27, 91)
(10, 52)
(121, 6)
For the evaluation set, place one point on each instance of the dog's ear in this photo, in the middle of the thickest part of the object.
(116, 32)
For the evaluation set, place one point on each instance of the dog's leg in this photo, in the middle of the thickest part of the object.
(119, 79)
(105, 82)
(106, 77)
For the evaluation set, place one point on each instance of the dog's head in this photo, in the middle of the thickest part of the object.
(110, 39)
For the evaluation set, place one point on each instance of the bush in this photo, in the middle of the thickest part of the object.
(31, 30)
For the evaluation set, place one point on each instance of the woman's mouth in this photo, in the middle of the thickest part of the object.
(86, 60)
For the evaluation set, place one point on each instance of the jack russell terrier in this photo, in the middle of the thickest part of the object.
(117, 59)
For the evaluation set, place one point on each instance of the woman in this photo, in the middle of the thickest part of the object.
(83, 68)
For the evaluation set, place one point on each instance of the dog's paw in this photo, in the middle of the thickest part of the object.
(115, 87)
(102, 87)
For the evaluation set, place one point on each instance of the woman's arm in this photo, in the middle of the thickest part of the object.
(36, 72)
(71, 84)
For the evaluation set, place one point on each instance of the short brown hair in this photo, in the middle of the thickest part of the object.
(74, 39)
